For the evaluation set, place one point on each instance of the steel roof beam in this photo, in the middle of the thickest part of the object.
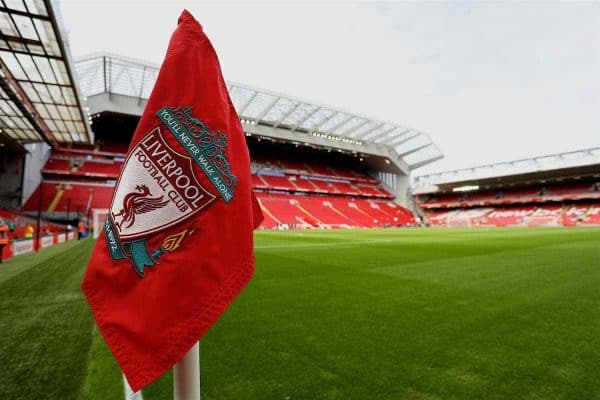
(306, 118)
(409, 138)
(266, 110)
(324, 120)
(243, 108)
(397, 138)
(340, 124)
(382, 134)
(407, 152)
(425, 162)
(366, 133)
(357, 127)
(391, 137)
(17, 95)
(24, 13)
(287, 114)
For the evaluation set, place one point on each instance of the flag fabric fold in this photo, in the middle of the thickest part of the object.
(176, 247)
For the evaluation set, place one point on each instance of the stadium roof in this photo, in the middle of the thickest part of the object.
(584, 162)
(107, 73)
(38, 95)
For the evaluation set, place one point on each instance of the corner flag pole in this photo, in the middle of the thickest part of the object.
(186, 376)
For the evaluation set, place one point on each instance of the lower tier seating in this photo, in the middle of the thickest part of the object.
(280, 210)
(58, 196)
(296, 211)
(19, 222)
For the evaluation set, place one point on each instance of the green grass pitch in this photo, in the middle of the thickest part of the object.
(343, 314)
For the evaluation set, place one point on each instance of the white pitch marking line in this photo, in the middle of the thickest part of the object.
(350, 243)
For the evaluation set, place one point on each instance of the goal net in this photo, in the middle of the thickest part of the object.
(98, 217)
(458, 222)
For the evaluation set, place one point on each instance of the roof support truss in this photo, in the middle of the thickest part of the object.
(287, 114)
(266, 110)
(407, 152)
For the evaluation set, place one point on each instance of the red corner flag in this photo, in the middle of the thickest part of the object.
(176, 247)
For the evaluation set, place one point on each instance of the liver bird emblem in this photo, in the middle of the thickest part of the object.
(135, 203)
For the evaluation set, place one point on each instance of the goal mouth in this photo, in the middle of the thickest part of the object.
(458, 222)
(98, 217)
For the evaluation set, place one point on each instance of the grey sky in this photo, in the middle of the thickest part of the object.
(488, 81)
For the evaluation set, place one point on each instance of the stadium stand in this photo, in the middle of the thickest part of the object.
(567, 195)
(293, 193)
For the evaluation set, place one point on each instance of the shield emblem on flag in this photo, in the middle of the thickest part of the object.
(157, 189)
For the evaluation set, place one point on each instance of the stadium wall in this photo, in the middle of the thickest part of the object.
(37, 155)
(11, 179)
(23, 246)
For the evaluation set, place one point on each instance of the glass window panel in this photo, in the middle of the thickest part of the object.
(75, 115)
(36, 7)
(60, 72)
(50, 124)
(29, 67)
(64, 112)
(6, 25)
(45, 69)
(19, 134)
(52, 111)
(12, 110)
(43, 92)
(43, 111)
(60, 125)
(20, 124)
(25, 27)
(68, 95)
(56, 93)
(47, 37)
(16, 45)
(70, 126)
(15, 5)
(13, 65)
(30, 91)
(28, 124)
(35, 49)
(4, 107)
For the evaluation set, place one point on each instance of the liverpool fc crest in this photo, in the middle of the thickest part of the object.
(158, 187)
